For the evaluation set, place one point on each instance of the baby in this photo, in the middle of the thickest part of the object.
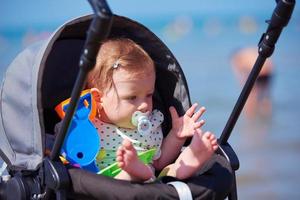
(122, 83)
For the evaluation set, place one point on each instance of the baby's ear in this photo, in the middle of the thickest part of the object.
(96, 94)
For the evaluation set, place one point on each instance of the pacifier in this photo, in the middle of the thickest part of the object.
(142, 122)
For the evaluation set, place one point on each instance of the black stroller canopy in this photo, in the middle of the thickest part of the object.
(171, 86)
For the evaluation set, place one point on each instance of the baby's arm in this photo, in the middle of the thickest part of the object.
(182, 128)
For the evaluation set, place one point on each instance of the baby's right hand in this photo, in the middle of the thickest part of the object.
(186, 125)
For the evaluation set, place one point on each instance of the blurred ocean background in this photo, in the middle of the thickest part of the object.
(203, 35)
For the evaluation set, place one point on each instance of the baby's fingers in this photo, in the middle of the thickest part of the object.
(191, 110)
(199, 124)
(198, 114)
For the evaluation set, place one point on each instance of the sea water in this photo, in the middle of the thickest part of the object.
(268, 147)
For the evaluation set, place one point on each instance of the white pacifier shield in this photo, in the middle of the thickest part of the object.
(142, 122)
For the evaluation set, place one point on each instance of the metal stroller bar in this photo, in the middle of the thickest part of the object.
(98, 31)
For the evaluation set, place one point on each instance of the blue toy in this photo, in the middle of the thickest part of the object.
(82, 142)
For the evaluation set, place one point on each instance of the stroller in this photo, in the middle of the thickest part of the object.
(46, 73)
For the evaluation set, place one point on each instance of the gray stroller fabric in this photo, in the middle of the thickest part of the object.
(20, 129)
(43, 75)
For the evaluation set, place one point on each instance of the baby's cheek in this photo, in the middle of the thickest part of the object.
(123, 120)
(124, 113)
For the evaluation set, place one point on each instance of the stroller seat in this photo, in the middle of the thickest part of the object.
(48, 78)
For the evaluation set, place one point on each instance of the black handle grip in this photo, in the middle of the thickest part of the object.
(280, 18)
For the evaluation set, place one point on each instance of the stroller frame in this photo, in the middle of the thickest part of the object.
(52, 175)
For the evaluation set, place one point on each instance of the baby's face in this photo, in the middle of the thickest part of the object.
(129, 93)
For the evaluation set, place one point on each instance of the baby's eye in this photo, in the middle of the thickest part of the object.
(131, 97)
(150, 95)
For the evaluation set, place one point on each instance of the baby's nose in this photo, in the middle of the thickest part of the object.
(144, 107)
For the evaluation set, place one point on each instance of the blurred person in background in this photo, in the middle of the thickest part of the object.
(259, 100)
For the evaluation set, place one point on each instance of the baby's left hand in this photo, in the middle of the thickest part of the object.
(186, 125)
